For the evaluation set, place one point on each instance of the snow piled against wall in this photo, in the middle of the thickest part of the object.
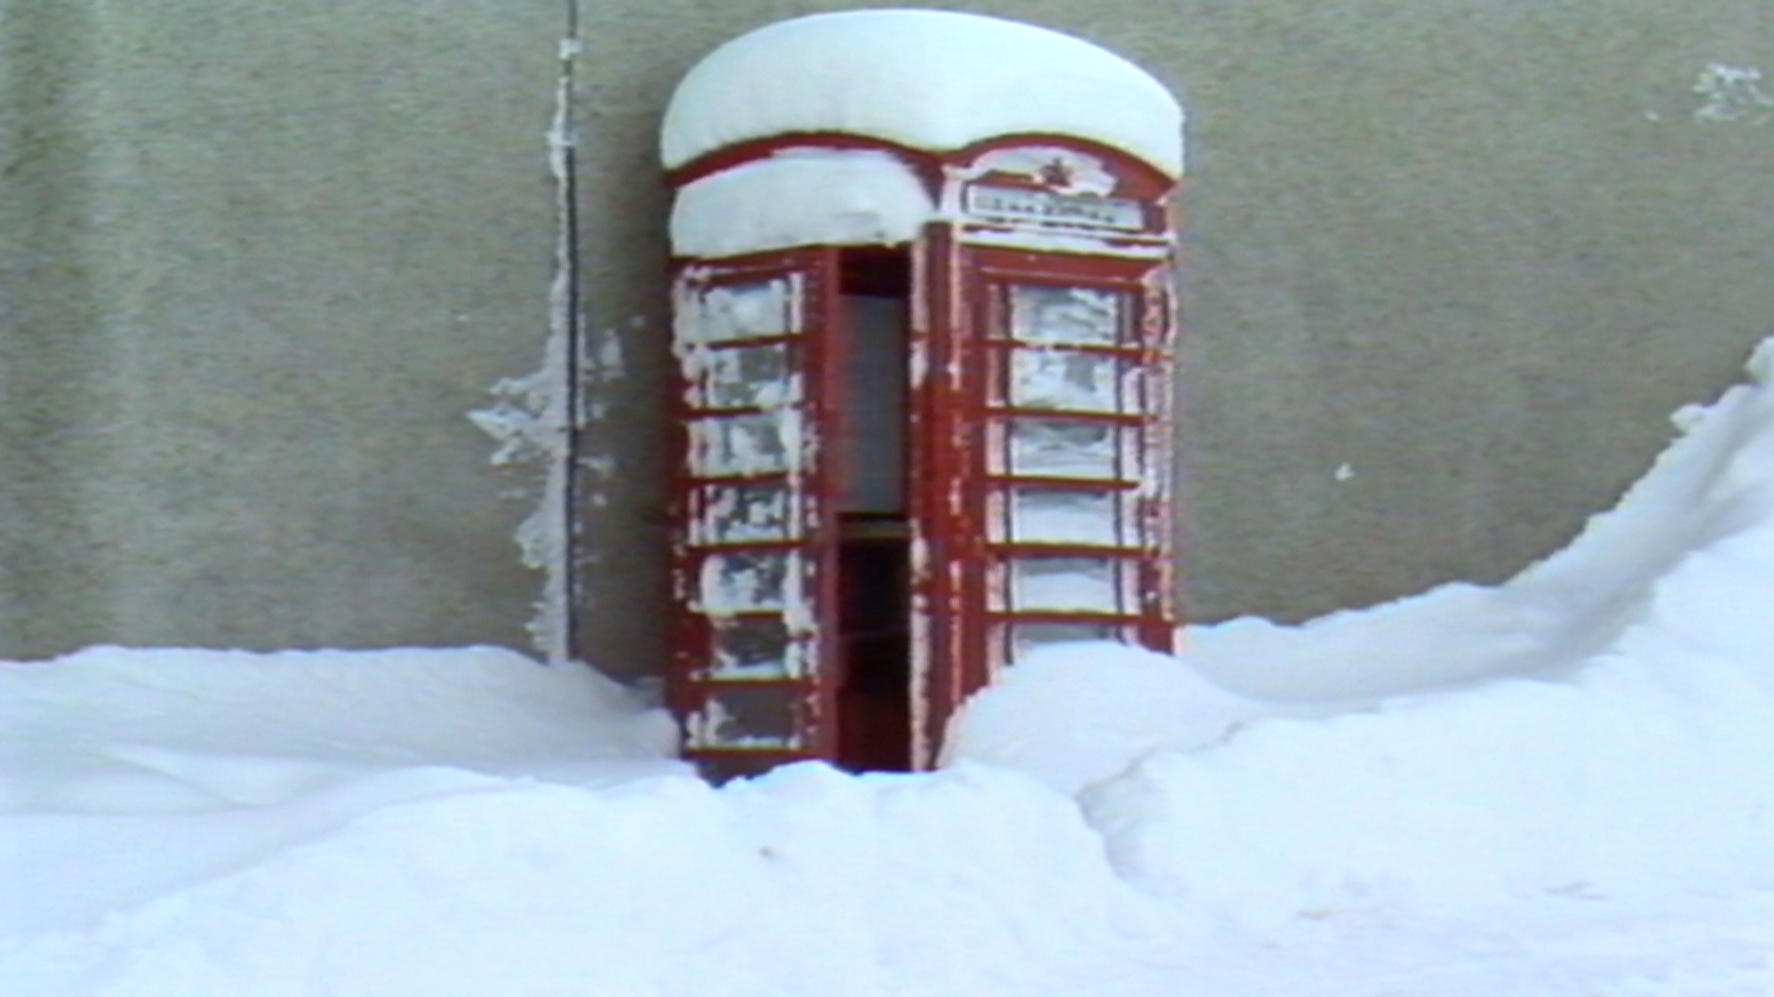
(1600, 725)
(1582, 742)
(112, 730)
(201, 824)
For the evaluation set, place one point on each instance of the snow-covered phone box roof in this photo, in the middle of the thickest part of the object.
(924, 79)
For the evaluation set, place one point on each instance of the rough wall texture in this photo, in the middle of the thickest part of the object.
(257, 263)
(1475, 251)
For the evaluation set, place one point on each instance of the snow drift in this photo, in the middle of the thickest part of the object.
(1599, 725)
(1590, 736)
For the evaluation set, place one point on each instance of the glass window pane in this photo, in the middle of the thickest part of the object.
(873, 426)
(1065, 584)
(741, 377)
(748, 582)
(739, 311)
(744, 513)
(1041, 314)
(1066, 380)
(738, 715)
(755, 648)
(1024, 637)
(1056, 448)
(1063, 516)
(765, 443)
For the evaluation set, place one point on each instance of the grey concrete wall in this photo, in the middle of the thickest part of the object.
(256, 262)
(1476, 251)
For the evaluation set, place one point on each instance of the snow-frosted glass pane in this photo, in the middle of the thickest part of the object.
(1027, 636)
(1066, 584)
(741, 583)
(758, 648)
(1058, 516)
(745, 716)
(740, 311)
(746, 377)
(1041, 314)
(1065, 380)
(744, 514)
(1056, 448)
(744, 444)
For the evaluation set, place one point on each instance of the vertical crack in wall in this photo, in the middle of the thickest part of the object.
(564, 324)
(535, 418)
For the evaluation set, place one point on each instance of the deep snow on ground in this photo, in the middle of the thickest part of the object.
(1558, 786)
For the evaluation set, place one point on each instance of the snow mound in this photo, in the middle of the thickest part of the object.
(805, 881)
(926, 79)
(1598, 726)
(811, 197)
(1072, 714)
(179, 730)
(1558, 786)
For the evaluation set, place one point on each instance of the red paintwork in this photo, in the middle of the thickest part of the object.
(958, 312)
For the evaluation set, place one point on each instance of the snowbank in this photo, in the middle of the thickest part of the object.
(926, 79)
(191, 823)
(110, 730)
(127, 775)
(1628, 785)
(803, 882)
(1073, 714)
(1329, 809)
(1599, 725)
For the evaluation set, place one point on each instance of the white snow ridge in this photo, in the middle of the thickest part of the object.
(926, 79)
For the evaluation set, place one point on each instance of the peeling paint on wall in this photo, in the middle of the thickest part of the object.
(1733, 93)
(529, 421)
(533, 417)
(604, 367)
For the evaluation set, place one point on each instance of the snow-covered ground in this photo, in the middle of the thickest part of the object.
(1559, 786)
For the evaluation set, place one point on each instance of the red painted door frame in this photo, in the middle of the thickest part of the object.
(959, 409)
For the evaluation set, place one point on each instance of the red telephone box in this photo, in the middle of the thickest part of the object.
(913, 444)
